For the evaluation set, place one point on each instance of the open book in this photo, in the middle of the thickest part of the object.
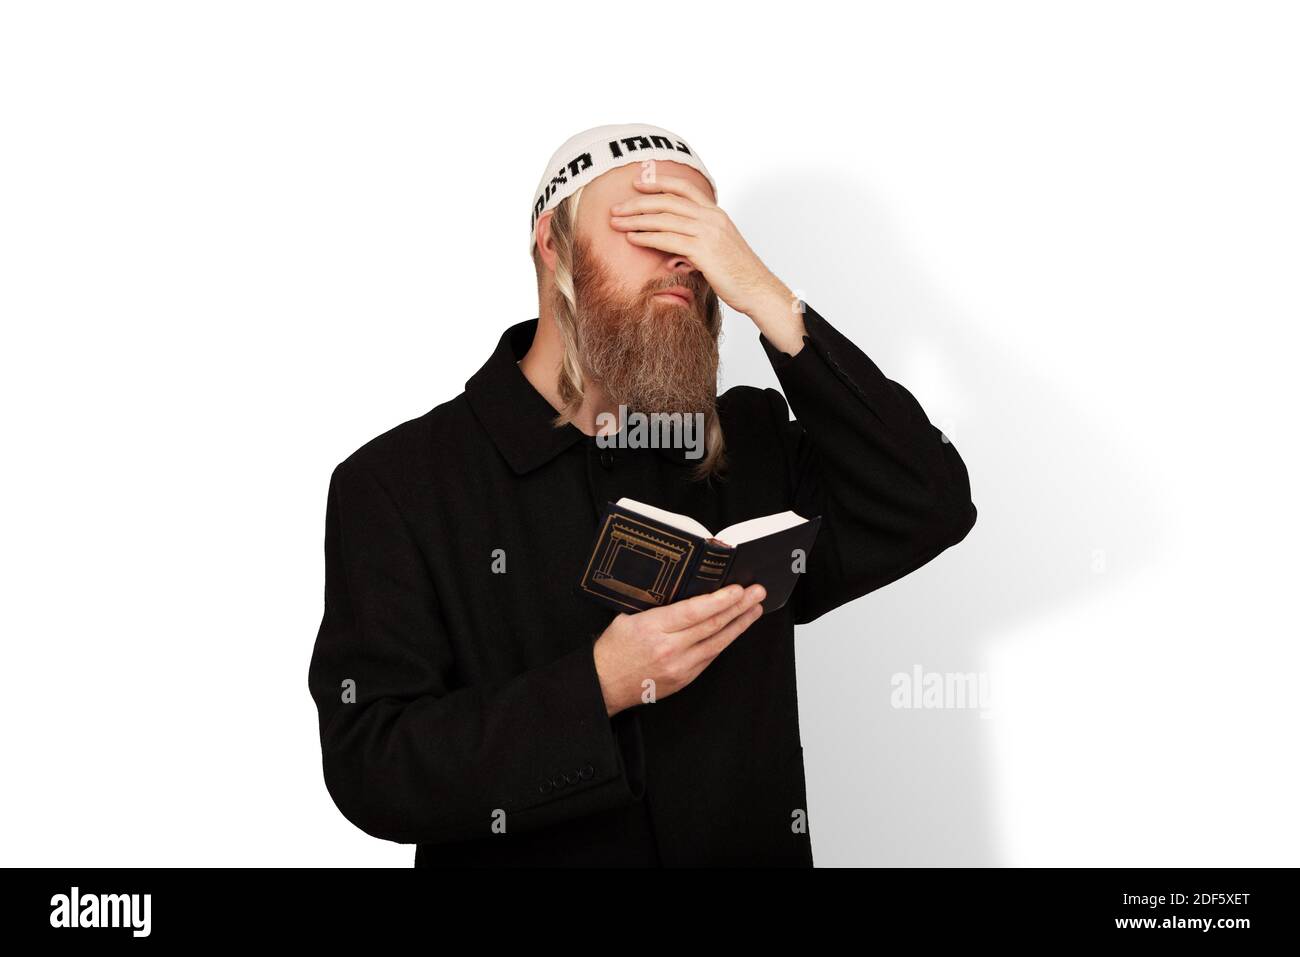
(646, 556)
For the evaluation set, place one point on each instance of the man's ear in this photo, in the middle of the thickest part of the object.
(542, 234)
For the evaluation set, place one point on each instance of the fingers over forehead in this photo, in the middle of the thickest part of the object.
(680, 185)
(656, 202)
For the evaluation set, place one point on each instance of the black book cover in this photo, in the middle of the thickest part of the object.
(640, 562)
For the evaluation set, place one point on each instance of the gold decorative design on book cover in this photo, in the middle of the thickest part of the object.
(638, 561)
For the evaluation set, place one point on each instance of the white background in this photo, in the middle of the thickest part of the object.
(237, 240)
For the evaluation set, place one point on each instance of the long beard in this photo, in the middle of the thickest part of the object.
(650, 354)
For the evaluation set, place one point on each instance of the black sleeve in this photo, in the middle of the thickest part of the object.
(891, 489)
(415, 759)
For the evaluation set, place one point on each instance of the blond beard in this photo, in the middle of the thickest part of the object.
(648, 353)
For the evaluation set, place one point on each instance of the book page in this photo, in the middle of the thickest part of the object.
(683, 522)
(743, 532)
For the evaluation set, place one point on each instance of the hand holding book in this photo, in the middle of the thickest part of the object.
(651, 654)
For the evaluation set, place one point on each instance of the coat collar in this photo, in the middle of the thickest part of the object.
(516, 416)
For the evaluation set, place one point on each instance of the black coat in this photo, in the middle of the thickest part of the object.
(475, 694)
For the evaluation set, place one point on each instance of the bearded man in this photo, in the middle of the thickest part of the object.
(472, 701)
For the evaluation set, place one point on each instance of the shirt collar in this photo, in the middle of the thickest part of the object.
(516, 416)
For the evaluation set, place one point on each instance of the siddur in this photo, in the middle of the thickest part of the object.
(646, 556)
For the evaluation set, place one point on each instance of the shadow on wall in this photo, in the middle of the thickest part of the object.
(1058, 505)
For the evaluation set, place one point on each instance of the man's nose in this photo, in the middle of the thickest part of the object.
(681, 264)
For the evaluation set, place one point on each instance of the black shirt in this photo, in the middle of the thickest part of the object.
(460, 709)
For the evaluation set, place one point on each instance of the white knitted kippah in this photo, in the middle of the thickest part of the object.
(586, 155)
